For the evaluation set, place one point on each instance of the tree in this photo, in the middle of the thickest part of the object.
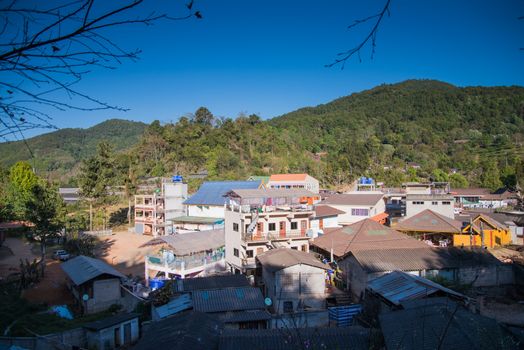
(96, 177)
(22, 179)
(490, 177)
(48, 47)
(458, 181)
(204, 117)
(45, 209)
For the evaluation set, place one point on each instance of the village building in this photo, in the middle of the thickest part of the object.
(325, 217)
(121, 330)
(484, 231)
(294, 281)
(209, 201)
(294, 181)
(186, 255)
(442, 204)
(431, 227)
(263, 179)
(476, 198)
(262, 219)
(356, 206)
(95, 285)
(154, 212)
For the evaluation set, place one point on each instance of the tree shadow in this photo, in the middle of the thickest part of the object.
(118, 218)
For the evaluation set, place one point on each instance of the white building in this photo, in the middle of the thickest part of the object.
(325, 217)
(288, 181)
(357, 206)
(295, 281)
(263, 219)
(442, 204)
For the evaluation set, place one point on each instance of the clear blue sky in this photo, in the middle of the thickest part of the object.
(268, 57)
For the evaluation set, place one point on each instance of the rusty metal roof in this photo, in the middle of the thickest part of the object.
(278, 259)
(429, 221)
(322, 211)
(228, 299)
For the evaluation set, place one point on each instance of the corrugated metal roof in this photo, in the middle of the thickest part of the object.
(244, 316)
(278, 259)
(362, 235)
(192, 242)
(82, 269)
(212, 192)
(198, 220)
(322, 211)
(287, 177)
(429, 221)
(228, 299)
(342, 338)
(399, 286)
(212, 282)
(272, 193)
(429, 258)
(364, 199)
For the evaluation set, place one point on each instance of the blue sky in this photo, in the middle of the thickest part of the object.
(267, 57)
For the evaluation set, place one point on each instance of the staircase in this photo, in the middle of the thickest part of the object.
(253, 224)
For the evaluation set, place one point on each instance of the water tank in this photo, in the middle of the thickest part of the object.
(177, 178)
(362, 180)
(156, 283)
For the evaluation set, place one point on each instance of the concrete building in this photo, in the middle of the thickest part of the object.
(94, 284)
(295, 281)
(210, 199)
(186, 255)
(262, 219)
(114, 332)
(476, 198)
(442, 204)
(357, 206)
(325, 217)
(289, 181)
(154, 212)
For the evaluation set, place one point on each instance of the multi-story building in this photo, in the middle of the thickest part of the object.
(263, 219)
(357, 206)
(289, 181)
(153, 212)
(442, 204)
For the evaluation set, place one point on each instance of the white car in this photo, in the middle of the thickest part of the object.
(61, 255)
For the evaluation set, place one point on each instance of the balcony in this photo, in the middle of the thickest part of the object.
(181, 265)
(270, 236)
(267, 209)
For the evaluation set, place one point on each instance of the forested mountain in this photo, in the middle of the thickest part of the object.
(61, 151)
(470, 136)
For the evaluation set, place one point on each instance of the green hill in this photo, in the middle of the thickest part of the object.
(60, 151)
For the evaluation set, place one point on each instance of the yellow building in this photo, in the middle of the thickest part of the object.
(494, 233)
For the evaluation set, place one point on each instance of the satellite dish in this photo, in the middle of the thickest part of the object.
(85, 297)
(268, 302)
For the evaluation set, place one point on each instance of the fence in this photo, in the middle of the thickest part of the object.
(100, 233)
(343, 315)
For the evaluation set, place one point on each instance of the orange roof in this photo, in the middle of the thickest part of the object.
(288, 177)
(379, 217)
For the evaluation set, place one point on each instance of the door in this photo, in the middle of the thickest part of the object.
(303, 227)
(127, 333)
(321, 223)
(282, 227)
(260, 229)
(117, 337)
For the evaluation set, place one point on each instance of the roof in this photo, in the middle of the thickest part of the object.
(287, 177)
(353, 337)
(187, 330)
(278, 259)
(429, 221)
(429, 197)
(82, 269)
(212, 192)
(364, 199)
(263, 179)
(364, 235)
(398, 286)
(198, 220)
(434, 324)
(110, 321)
(380, 217)
(192, 242)
(244, 316)
(228, 299)
(272, 193)
(428, 258)
(322, 211)
(484, 193)
(212, 282)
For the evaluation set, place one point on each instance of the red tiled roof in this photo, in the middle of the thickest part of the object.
(364, 235)
(429, 221)
(288, 177)
(322, 211)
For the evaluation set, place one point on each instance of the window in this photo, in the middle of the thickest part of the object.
(235, 252)
(260, 250)
(249, 253)
(294, 248)
(434, 203)
(294, 225)
(304, 248)
(446, 203)
(235, 227)
(418, 203)
(360, 212)
(288, 306)
(272, 226)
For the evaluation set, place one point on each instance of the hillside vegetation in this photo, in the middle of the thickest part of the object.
(469, 136)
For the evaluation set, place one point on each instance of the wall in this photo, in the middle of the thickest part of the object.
(305, 286)
(209, 211)
(233, 238)
(491, 239)
(319, 318)
(442, 209)
(67, 339)
(175, 193)
(347, 218)
(106, 337)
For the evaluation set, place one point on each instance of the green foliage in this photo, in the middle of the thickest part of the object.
(458, 181)
(77, 244)
(490, 177)
(98, 174)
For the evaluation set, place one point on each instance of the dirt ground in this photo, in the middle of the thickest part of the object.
(11, 252)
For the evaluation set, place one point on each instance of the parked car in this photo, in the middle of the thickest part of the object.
(61, 255)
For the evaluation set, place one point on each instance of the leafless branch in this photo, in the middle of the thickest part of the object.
(45, 51)
(371, 37)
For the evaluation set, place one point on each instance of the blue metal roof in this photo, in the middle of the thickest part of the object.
(212, 192)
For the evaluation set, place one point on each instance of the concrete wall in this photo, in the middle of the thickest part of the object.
(347, 218)
(440, 208)
(233, 238)
(209, 211)
(105, 338)
(300, 284)
(175, 193)
(319, 318)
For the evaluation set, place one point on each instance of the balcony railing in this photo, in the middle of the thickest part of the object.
(246, 209)
(185, 263)
(269, 236)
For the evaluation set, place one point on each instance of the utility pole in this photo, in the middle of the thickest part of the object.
(482, 234)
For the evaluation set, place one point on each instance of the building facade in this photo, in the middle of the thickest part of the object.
(442, 204)
(290, 181)
(357, 206)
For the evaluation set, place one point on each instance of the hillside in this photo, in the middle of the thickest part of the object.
(61, 151)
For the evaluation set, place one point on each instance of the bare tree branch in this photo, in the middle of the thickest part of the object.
(344, 56)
